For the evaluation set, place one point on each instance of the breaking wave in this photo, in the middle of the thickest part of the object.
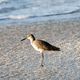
(35, 9)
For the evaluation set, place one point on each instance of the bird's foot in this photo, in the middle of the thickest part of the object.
(42, 65)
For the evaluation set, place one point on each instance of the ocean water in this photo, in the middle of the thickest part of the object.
(25, 11)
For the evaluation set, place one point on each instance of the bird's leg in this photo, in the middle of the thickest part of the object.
(42, 60)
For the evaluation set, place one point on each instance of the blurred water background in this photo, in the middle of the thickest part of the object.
(25, 11)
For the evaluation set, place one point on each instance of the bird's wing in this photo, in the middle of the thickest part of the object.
(45, 45)
(42, 44)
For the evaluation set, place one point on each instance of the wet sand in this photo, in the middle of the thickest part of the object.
(19, 61)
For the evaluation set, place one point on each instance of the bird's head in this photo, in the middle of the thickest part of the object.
(30, 37)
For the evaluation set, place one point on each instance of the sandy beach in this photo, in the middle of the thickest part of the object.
(19, 61)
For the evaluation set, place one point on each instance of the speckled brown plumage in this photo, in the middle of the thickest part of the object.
(45, 45)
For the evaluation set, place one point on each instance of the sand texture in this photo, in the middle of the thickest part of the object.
(19, 61)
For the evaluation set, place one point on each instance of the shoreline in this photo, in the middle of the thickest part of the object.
(42, 22)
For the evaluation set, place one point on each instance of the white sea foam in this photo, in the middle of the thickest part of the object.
(17, 17)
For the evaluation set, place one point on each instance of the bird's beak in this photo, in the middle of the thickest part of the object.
(23, 39)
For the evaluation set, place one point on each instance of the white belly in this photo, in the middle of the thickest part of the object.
(36, 48)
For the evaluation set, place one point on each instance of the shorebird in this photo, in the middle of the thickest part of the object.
(41, 46)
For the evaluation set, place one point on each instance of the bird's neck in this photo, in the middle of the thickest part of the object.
(32, 39)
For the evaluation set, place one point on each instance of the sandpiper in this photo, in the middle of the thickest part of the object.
(41, 46)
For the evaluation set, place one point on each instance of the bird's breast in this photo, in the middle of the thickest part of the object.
(36, 47)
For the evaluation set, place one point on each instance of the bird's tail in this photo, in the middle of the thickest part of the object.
(55, 48)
